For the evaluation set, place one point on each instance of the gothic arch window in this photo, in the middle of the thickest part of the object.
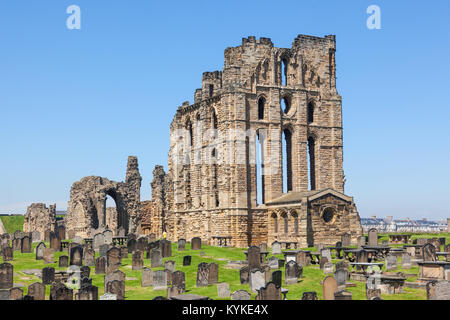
(295, 218)
(310, 112)
(286, 222)
(312, 163)
(287, 160)
(284, 67)
(275, 223)
(261, 105)
(285, 104)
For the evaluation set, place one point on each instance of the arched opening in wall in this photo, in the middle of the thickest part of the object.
(287, 160)
(285, 104)
(286, 223)
(328, 214)
(275, 223)
(215, 177)
(190, 133)
(311, 164)
(260, 167)
(295, 218)
(261, 104)
(211, 90)
(111, 214)
(94, 215)
(310, 112)
(283, 72)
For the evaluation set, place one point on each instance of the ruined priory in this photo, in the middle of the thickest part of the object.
(257, 157)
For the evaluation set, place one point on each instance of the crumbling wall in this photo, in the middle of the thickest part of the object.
(40, 218)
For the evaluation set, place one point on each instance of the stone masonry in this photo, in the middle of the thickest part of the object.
(40, 218)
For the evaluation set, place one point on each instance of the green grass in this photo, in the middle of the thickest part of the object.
(312, 275)
(13, 223)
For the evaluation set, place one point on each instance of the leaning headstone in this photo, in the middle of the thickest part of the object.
(48, 275)
(244, 275)
(179, 280)
(181, 244)
(406, 260)
(309, 296)
(136, 260)
(391, 262)
(37, 291)
(156, 258)
(160, 280)
(147, 277)
(273, 263)
(330, 286)
(292, 271)
(100, 265)
(202, 274)
(223, 290)
(40, 251)
(25, 245)
(240, 295)
(257, 280)
(196, 243)
(254, 257)
(428, 252)
(6, 275)
(373, 237)
(63, 262)
(276, 248)
(187, 260)
(89, 257)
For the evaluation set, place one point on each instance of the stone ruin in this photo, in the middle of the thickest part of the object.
(40, 218)
(87, 209)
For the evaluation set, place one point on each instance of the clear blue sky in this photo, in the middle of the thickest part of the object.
(78, 102)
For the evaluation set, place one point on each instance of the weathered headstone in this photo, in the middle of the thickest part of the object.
(263, 247)
(166, 248)
(103, 250)
(342, 295)
(391, 262)
(156, 258)
(40, 251)
(196, 243)
(254, 257)
(147, 277)
(25, 245)
(108, 235)
(15, 293)
(240, 295)
(61, 230)
(114, 276)
(330, 286)
(223, 290)
(4, 295)
(100, 265)
(273, 263)
(309, 296)
(269, 292)
(202, 274)
(160, 280)
(136, 260)
(116, 287)
(257, 280)
(276, 248)
(49, 256)
(87, 293)
(322, 262)
(55, 242)
(244, 275)
(371, 293)
(373, 237)
(341, 276)
(361, 241)
(292, 271)
(121, 231)
(37, 291)
(142, 244)
(6, 275)
(174, 291)
(327, 267)
(303, 258)
(428, 252)
(438, 290)
(326, 253)
(213, 273)
(63, 262)
(187, 260)
(181, 244)
(85, 272)
(346, 240)
(342, 265)
(48, 275)
(179, 279)
(7, 254)
(131, 245)
(169, 265)
(76, 256)
(113, 260)
(89, 257)
(97, 241)
(406, 260)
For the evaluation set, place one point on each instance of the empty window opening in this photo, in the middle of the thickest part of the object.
(283, 72)
(211, 90)
(261, 103)
(285, 105)
(287, 160)
(310, 112)
(260, 169)
(311, 164)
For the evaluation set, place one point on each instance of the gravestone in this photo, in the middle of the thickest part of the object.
(108, 296)
(373, 293)
(223, 290)
(55, 242)
(89, 257)
(326, 253)
(124, 253)
(61, 230)
(342, 295)
(196, 243)
(85, 282)
(169, 277)
(273, 263)
(63, 262)
(156, 258)
(114, 276)
(244, 275)
(121, 232)
(166, 248)
(438, 290)
(257, 280)
(277, 277)
(87, 293)
(330, 286)
(269, 292)
(160, 280)
(48, 275)
(202, 274)
(97, 241)
(346, 240)
(49, 256)
(391, 262)
(113, 261)
(40, 251)
(373, 237)
(327, 267)
(4, 295)
(303, 258)
(85, 272)
(100, 265)
(428, 252)
(322, 262)
(263, 247)
(170, 265)
(174, 291)
(276, 248)
(361, 241)
(37, 291)
(342, 265)
(116, 287)
(341, 276)
(213, 273)
(406, 261)
(309, 296)
(240, 295)
(142, 244)
(136, 260)
(187, 260)
(103, 250)
(254, 257)
(181, 244)
(16, 243)
(108, 235)
(25, 245)
(292, 271)
(338, 244)
(147, 277)
(76, 256)
(7, 254)
(131, 245)
(77, 240)
(179, 279)
(35, 236)
(362, 256)
(6, 275)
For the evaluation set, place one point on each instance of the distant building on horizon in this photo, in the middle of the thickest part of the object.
(389, 225)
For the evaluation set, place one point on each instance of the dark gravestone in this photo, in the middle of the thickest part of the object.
(61, 232)
(123, 252)
(37, 291)
(40, 251)
(179, 280)
(181, 244)
(277, 277)
(113, 261)
(85, 272)
(254, 257)
(25, 245)
(244, 275)
(6, 275)
(136, 260)
(196, 243)
(8, 254)
(166, 248)
(202, 275)
(63, 261)
(131, 245)
(213, 273)
(63, 293)
(116, 287)
(156, 258)
(100, 265)
(429, 252)
(85, 282)
(187, 260)
(89, 257)
(28, 298)
(142, 244)
(76, 256)
(292, 272)
(55, 242)
(309, 296)
(269, 292)
(48, 275)
(88, 293)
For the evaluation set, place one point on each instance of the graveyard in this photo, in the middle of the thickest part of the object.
(159, 269)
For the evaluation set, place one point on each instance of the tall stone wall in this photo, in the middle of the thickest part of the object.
(40, 218)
